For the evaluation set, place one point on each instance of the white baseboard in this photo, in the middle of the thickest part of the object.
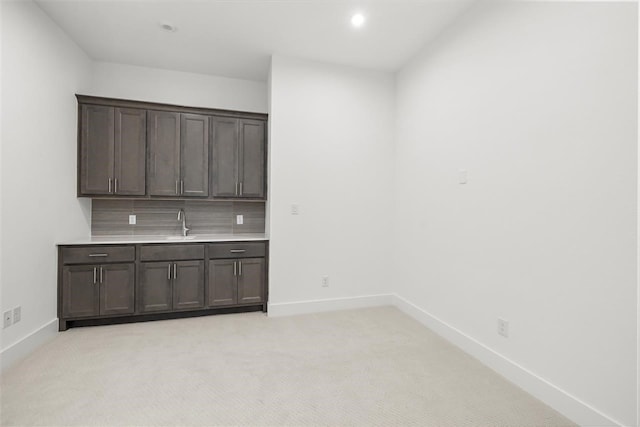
(322, 305)
(21, 349)
(563, 402)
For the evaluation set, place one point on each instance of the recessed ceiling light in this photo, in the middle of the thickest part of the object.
(170, 28)
(357, 20)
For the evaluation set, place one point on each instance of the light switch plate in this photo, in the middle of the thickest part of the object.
(295, 209)
(239, 219)
(462, 176)
(132, 219)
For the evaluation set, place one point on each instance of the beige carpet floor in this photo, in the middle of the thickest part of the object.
(369, 367)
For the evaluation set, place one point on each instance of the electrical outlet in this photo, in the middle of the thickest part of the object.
(239, 219)
(325, 281)
(7, 319)
(132, 220)
(17, 314)
(503, 328)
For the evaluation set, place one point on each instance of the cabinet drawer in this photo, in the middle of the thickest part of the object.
(98, 254)
(164, 252)
(237, 250)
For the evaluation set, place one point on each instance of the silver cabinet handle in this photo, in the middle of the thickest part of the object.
(181, 186)
(94, 255)
(234, 269)
(169, 272)
(115, 185)
(237, 251)
(95, 273)
(110, 181)
(175, 273)
(236, 188)
(100, 274)
(177, 188)
(239, 268)
(241, 188)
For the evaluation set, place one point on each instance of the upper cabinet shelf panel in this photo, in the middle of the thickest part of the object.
(149, 150)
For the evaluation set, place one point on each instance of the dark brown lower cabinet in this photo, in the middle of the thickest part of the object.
(117, 284)
(80, 293)
(170, 285)
(188, 285)
(154, 286)
(236, 281)
(251, 280)
(96, 290)
(98, 283)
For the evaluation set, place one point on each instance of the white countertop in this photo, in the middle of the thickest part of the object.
(202, 238)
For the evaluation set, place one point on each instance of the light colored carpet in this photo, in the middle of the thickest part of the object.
(369, 367)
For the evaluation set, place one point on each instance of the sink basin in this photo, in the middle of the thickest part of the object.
(181, 237)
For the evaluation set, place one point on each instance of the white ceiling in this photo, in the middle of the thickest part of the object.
(235, 38)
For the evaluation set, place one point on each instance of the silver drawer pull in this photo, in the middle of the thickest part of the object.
(98, 255)
(237, 251)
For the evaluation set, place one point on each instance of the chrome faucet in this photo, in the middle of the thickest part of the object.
(183, 217)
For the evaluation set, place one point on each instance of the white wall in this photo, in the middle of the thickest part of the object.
(41, 70)
(538, 102)
(331, 148)
(177, 87)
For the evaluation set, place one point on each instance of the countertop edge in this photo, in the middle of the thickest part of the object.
(140, 240)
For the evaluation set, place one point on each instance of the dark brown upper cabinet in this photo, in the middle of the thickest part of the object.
(224, 159)
(112, 151)
(163, 133)
(194, 155)
(252, 159)
(178, 154)
(150, 150)
(238, 158)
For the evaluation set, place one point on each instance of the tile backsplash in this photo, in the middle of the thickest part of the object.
(160, 217)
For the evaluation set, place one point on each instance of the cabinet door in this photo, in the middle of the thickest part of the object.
(252, 156)
(163, 136)
(194, 155)
(222, 282)
(224, 158)
(188, 285)
(80, 291)
(130, 151)
(96, 150)
(154, 287)
(117, 288)
(250, 280)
